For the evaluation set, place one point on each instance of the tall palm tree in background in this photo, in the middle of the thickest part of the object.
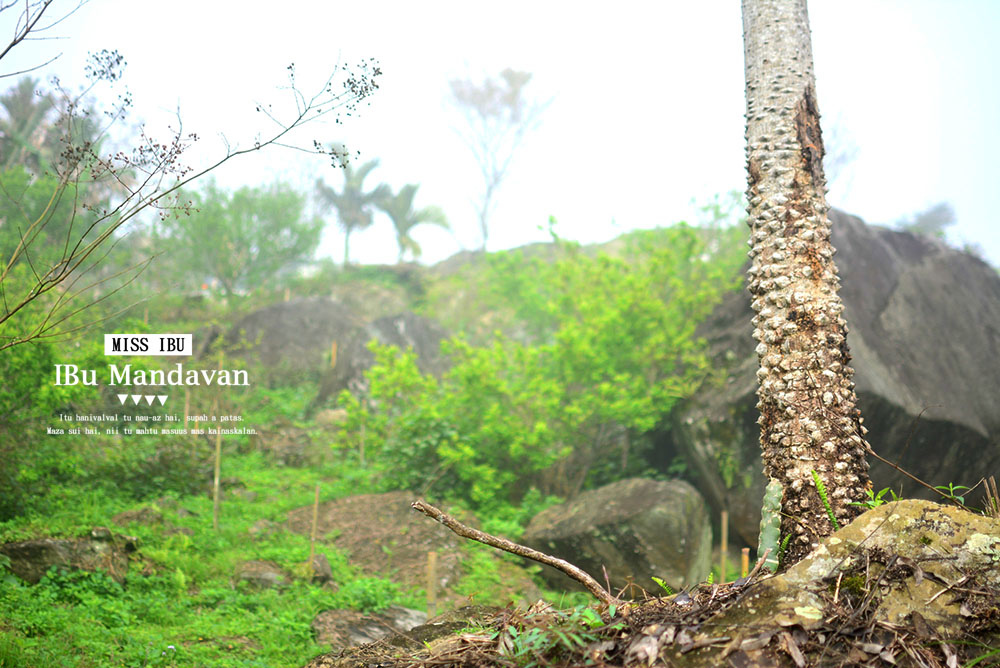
(399, 208)
(353, 204)
(26, 126)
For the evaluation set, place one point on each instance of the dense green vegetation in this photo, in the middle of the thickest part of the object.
(501, 433)
(562, 358)
(606, 347)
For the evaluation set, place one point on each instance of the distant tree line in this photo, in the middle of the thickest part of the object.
(354, 206)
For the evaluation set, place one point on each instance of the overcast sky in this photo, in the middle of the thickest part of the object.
(646, 108)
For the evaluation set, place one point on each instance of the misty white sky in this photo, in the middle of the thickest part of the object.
(646, 108)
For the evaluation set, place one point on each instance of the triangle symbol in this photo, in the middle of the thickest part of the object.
(122, 398)
(162, 398)
(149, 399)
(136, 398)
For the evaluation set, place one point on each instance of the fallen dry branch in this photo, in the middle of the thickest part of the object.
(569, 569)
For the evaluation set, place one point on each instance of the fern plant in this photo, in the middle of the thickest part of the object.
(821, 490)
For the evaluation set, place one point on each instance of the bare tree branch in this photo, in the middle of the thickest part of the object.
(27, 28)
(498, 116)
(603, 595)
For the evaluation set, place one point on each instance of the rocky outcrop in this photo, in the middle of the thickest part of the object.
(291, 338)
(633, 529)
(925, 336)
(374, 653)
(260, 574)
(405, 330)
(347, 628)
(928, 572)
(287, 444)
(100, 550)
(378, 290)
(144, 515)
(322, 572)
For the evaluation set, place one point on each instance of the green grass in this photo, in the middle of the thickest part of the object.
(178, 606)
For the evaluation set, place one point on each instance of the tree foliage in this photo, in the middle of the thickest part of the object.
(25, 131)
(498, 114)
(241, 239)
(399, 208)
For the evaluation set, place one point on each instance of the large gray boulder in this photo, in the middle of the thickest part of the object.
(405, 330)
(633, 529)
(925, 336)
(291, 338)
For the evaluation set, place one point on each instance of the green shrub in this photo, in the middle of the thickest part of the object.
(608, 348)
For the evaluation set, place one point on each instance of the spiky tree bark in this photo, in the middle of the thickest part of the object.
(808, 415)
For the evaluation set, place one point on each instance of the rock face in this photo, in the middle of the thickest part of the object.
(292, 337)
(287, 444)
(346, 628)
(634, 529)
(322, 573)
(144, 515)
(101, 550)
(260, 574)
(933, 543)
(896, 567)
(337, 628)
(406, 330)
(394, 288)
(925, 336)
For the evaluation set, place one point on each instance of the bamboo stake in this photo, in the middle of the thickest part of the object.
(312, 533)
(187, 414)
(218, 468)
(724, 531)
(218, 462)
(361, 444)
(432, 583)
(744, 562)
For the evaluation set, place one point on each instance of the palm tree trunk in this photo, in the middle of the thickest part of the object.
(347, 246)
(808, 415)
